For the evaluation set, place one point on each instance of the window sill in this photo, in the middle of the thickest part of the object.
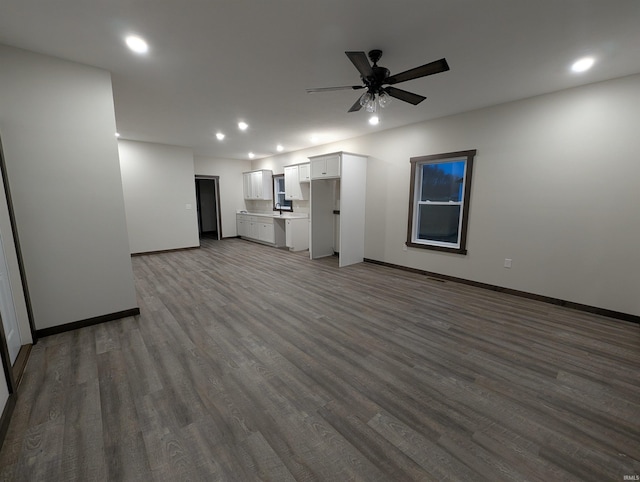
(431, 247)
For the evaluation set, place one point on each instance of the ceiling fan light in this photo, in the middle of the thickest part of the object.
(384, 99)
(366, 98)
(372, 105)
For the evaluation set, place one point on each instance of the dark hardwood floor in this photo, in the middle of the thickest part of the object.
(253, 363)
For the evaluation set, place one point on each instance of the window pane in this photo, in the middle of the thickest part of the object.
(438, 223)
(442, 181)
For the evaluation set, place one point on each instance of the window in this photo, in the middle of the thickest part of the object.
(279, 202)
(439, 201)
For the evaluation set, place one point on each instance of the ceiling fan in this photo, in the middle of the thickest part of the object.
(375, 78)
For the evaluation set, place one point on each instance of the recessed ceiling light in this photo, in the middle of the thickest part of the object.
(243, 125)
(137, 44)
(251, 155)
(582, 65)
(314, 139)
(374, 120)
(219, 136)
(279, 148)
(117, 134)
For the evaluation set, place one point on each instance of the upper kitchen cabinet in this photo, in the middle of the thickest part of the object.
(304, 172)
(326, 166)
(257, 184)
(294, 186)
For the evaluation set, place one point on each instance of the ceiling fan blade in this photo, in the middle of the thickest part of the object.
(356, 106)
(359, 59)
(409, 97)
(428, 69)
(329, 89)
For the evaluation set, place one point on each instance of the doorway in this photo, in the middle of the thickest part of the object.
(208, 206)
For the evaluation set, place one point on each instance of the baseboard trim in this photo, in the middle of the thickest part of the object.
(21, 363)
(54, 330)
(6, 416)
(523, 294)
(144, 253)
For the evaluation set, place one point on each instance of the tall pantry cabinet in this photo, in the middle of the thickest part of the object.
(337, 206)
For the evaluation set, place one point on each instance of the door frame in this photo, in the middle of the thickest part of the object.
(4, 350)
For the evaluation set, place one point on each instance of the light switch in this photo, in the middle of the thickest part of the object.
(507, 262)
(187, 206)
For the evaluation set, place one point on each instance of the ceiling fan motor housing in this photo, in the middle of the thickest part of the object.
(379, 74)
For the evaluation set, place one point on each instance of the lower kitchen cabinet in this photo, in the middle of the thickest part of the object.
(257, 228)
(274, 231)
(265, 230)
(297, 234)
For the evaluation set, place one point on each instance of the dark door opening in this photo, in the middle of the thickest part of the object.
(208, 206)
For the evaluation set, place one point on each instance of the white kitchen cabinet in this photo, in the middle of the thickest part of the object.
(326, 167)
(304, 172)
(344, 194)
(257, 184)
(242, 225)
(265, 230)
(297, 234)
(293, 189)
(256, 228)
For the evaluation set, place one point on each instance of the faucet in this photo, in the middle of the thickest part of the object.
(278, 206)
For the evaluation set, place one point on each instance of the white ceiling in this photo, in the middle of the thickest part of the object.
(213, 63)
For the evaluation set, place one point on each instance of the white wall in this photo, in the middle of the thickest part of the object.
(160, 196)
(555, 188)
(230, 184)
(57, 123)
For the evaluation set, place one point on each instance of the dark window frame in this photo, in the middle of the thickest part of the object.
(434, 159)
(286, 207)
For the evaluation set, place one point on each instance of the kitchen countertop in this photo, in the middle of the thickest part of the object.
(277, 215)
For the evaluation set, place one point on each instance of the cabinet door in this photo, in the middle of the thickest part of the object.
(246, 185)
(297, 234)
(288, 234)
(256, 185)
(267, 233)
(325, 167)
(291, 184)
(242, 225)
(333, 166)
(318, 168)
(252, 229)
(304, 172)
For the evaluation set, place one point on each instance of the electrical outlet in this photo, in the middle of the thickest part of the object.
(187, 206)
(404, 247)
(507, 262)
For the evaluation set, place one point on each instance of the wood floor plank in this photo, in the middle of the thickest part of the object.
(254, 363)
(83, 454)
(41, 455)
(437, 462)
